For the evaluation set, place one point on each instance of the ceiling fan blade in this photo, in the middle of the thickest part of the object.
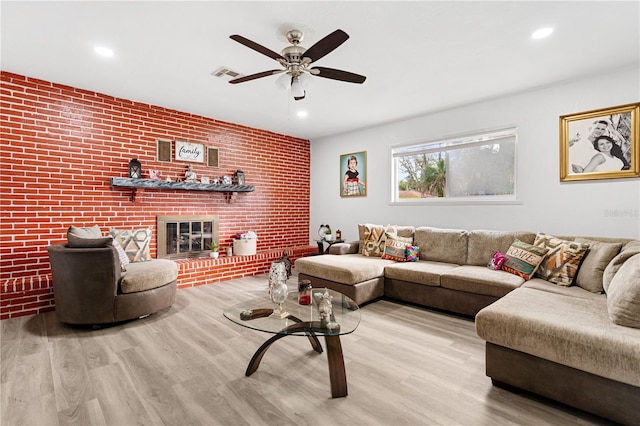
(334, 74)
(257, 47)
(254, 76)
(326, 45)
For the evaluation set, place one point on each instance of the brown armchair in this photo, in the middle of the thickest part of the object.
(90, 288)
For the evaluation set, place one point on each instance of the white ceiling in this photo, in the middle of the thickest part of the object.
(418, 56)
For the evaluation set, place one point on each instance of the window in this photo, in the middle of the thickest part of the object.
(477, 167)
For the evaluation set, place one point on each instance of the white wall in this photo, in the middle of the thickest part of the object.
(597, 207)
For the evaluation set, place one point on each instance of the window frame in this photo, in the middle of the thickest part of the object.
(469, 139)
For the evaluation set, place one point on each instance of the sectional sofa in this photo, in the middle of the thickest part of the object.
(570, 341)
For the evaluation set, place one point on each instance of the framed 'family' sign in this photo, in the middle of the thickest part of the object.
(189, 151)
(600, 144)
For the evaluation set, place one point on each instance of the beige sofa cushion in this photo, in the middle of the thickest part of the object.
(595, 261)
(141, 276)
(442, 245)
(480, 280)
(483, 244)
(628, 250)
(422, 272)
(571, 331)
(572, 291)
(623, 299)
(344, 269)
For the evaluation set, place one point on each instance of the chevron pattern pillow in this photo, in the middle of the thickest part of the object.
(560, 264)
(374, 239)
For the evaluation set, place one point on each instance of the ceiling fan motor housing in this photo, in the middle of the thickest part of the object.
(293, 53)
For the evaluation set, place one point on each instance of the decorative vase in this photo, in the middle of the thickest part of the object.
(277, 272)
(214, 254)
(279, 293)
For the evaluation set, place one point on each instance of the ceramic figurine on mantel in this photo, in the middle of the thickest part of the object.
(190, 176)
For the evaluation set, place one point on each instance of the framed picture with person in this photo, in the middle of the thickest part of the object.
(353, 174)
(600, 144)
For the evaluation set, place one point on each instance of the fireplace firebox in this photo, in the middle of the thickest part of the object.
(184, 236)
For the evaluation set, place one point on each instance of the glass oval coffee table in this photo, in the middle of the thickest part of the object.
(302, 320)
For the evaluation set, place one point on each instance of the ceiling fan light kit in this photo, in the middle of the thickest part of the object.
(296, 61)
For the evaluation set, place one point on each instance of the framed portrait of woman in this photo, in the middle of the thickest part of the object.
(353, 174)
(600, 144)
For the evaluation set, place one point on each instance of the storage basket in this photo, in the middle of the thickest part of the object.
(244, 247)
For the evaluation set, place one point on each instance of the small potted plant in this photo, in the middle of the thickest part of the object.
(327, 232)
(214, 247)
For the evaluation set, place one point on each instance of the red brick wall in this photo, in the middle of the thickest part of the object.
(60, 145)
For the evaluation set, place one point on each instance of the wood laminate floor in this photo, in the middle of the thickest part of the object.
(185, 366)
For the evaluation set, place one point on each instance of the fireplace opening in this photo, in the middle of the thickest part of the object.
(184, 236)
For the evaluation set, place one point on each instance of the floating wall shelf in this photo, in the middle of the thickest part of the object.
(185, 186)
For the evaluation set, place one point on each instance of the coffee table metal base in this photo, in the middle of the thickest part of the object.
(335, 358)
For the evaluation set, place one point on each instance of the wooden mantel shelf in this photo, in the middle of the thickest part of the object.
(185, 186)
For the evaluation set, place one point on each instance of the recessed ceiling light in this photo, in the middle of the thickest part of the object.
(103, 51)
(302, 114)
(542, 33)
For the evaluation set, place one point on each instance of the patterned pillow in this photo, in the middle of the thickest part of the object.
(135, 242)
(374, 239)
(124, 259)
(395, 247)
(412, 254)
(560, 264)
(522, 259)
(496, 261)
(394, 250)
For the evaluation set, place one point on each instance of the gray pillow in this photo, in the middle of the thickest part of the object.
(90, 232)
(595, 261)
(623, 297)
(629, 250)
(75, 241)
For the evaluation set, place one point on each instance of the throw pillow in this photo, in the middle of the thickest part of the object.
(135, 242)
(616, 263)
(412, 254)
(522, 259)
(86, 232)
(394, 250)
(496, 261)
(595, 261)
(86, 237)
(124, 259)
(623, 298)
(395, 247)
(374, 239)
(560, 264)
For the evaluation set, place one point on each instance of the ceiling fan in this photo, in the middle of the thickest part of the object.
(296, 61)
